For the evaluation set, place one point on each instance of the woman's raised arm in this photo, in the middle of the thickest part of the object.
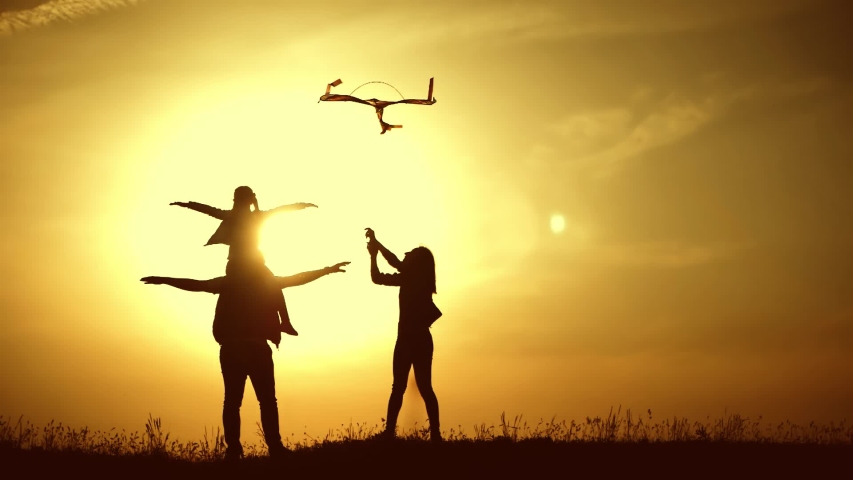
(387, 254)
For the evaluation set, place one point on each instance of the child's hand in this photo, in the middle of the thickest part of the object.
(152, 280)
(305, 205)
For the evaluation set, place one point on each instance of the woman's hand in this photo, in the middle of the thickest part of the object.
(372, 244)
(152, 280)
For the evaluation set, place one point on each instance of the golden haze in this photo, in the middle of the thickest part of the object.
(698, 258)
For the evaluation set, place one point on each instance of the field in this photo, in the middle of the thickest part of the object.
(617, 445)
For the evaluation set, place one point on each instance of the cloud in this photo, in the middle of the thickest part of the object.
(585, 133)
(569, 19)
(676, 118)
(24, 14)
(18, 5)
(477, 22)
(600, 143)
(565, 19)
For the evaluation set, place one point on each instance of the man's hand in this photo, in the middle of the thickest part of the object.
(338, 267)
(370, 234)
(152, 280)
(180, 204)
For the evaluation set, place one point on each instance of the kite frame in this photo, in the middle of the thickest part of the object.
(379, 105)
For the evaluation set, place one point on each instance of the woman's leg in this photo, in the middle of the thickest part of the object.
(423, 378)
(401, 366)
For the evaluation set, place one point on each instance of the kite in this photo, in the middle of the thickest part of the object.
(379, 105)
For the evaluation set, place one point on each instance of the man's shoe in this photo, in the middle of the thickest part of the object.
(279, 451)
(233, 454)
(384, 436)
(287, 328)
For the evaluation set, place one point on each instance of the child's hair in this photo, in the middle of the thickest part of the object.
(244, 192)
(423, 267)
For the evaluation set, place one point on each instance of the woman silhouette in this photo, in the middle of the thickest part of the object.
(414, 347)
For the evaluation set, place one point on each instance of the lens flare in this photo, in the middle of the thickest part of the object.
(558, 223)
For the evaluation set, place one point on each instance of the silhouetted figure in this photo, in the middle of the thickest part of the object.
(245, 320)
(240, 229)
(414, 347)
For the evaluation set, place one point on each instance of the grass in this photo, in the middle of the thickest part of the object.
(609, 442)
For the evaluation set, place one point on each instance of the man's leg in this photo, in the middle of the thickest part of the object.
(234, 376)
(262, 374)
(401, 366)
(423, 378)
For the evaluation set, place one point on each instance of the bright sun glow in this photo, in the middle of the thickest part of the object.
(409, 188)
(558, 223)
(202, 156)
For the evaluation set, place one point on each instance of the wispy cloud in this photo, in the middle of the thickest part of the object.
(600, 144)
(21, 15)
(677, 117)
(509, 23)
(589, 132)
(563, 19)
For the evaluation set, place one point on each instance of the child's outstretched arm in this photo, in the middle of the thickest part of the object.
(289, 208)
(202, 208)
(308, 277)
(188, 284)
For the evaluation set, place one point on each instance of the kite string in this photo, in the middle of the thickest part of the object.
(384, 83)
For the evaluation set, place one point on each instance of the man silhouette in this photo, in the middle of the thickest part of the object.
(240, 229)
(246, 318)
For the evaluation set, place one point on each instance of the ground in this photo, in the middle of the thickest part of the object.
(465, 459)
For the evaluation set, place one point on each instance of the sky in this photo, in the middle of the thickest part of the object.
(642, 204)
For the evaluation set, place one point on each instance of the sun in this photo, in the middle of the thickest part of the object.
(558, 223)
(236, 140)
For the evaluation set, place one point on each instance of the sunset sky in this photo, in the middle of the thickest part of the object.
(636, 203)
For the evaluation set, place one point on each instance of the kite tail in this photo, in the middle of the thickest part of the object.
(388, 126)
(385, 126)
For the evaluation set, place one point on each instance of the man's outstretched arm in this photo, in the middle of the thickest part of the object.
(202, 208)
(308, 277)
(188, 284)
